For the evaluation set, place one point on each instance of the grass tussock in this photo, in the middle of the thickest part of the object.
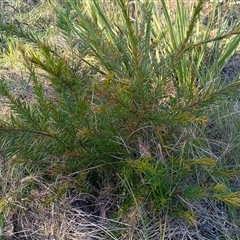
(119, 120)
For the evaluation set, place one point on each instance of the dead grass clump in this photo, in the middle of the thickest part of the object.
(40, 217)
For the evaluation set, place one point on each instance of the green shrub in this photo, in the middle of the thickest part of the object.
(119, 103)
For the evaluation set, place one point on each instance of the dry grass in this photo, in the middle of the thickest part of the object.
(62, 220)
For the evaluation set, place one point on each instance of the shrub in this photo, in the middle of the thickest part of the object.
(122, 102)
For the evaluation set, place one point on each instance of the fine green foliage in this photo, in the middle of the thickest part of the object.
(121, 102)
